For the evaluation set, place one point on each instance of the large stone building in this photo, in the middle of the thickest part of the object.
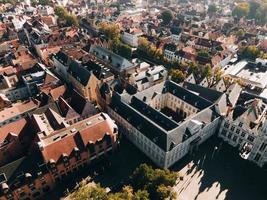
(167, 121)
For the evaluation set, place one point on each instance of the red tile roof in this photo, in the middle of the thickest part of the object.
(57, 92)
(14, 127)
(54, 145)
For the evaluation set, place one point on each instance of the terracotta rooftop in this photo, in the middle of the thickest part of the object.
(78, 135)
(48, 20)
(14, 127)
(25, 61)
(7, 70)
(17, 109)
(57, 92)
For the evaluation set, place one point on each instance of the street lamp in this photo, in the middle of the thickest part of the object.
(214, 150)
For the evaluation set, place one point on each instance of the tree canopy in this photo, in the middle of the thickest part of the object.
(261, 14)
(212, 9)
(149, 51)
(241, 10)
(251, 52)
(44, 2)
(96, 192)
(110, 30)
(146, 183)
(166, 16)
(13, 2)
(85, 192)
(63, 14)
(203, 53)
(252, 10)
(176, 75)
(158, 182)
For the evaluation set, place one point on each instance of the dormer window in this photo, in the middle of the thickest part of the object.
(77, 154)
(91, 148)
(115, 130)
(65, 160)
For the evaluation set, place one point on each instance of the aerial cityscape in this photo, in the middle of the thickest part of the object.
(133, 99)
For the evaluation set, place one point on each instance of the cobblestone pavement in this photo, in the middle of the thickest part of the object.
(217, 172)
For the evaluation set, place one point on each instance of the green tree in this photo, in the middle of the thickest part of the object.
(251, 52)
(85, 192)
(263, 55)
(240, 33)
(13, 2)
(217, 74)
(177, 75)
(156, 181)
(192, 68)
(34, 2)
(261, 14)
(110, 30)
(203, 53)
(141, 195)
(166, 16)
(165, 192)
(212, 9)
(125, 51)
(61, 12)
(71, 20)
(44, 2)
(207, 71)
(128, 194)
(149, 51)
(253, 7)
(96, 192)
(241, 10)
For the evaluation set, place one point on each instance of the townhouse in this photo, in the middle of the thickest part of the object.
(55, 154)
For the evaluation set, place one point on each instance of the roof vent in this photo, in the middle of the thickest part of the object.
(88, 123)
(40, 145)
(73, 130)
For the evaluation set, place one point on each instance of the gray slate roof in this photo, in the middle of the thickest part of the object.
(163, 131)
(117, 62)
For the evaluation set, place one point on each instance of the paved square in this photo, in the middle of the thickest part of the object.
(218, 173)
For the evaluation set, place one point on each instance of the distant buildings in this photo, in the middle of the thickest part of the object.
(131, 37)
(118, 64)
(251, 74)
